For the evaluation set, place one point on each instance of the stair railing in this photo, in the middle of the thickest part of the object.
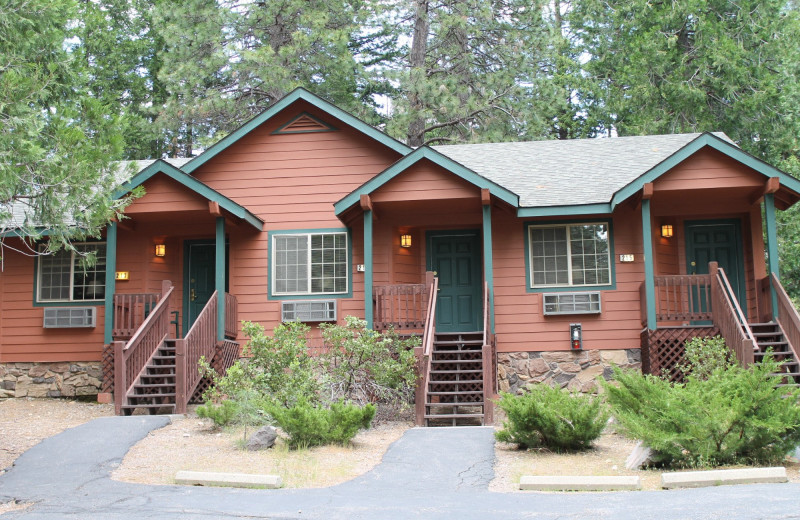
(729, 318)
(130, 358)
(200, 341)
(423, 353)
(488, 358)
(788, 318)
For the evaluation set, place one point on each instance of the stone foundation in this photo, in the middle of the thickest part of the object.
(50, 379)
(573, 370)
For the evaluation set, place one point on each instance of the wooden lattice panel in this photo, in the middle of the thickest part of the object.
(108, 369)
(663, 349)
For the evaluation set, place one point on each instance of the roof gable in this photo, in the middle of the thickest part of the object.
(280, 105)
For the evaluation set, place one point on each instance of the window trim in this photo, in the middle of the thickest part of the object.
(569, 288)
(271, 295)
(64, 303)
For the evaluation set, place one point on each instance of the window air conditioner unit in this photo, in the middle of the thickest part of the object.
(308, 310)
(70, 317)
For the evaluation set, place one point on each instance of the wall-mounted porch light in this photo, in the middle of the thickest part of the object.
(576, 342)
(122, 275)
(405, 240)
(161, 249)
(666, 230)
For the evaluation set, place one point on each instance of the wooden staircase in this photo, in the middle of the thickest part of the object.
(155, 390)
(769, 336)
(455, 386)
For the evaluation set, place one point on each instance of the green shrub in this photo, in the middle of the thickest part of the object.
(722, 414)
(365, 366)
(222, 414)
(308, 425)
(552, 418)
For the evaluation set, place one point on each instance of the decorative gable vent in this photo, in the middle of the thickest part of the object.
(304, 123)
(572, 303)
(69, 317)
(308, 310)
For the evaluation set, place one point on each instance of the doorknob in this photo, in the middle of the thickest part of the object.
(192, 295)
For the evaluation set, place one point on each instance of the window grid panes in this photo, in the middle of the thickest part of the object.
(63, 278)
(570, 255)
(314, 263)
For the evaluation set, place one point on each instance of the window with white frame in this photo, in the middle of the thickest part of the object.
(64, 277)
(309, 263)
(569, 255)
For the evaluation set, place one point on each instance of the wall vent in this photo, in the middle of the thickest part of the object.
(571, 303)
(69, 317)
(308, 310)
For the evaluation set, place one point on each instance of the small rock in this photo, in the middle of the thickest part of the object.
(262, 439)
(639, 456)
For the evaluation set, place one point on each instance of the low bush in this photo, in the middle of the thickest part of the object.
(308, 425)
(552, 418)
(722, 414)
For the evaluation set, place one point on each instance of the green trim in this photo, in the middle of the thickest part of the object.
(436, 158)
(716, 143)
(295, 95)
(488, 267)
(193, 184)
(649, 268)
(368, 270)
(219, 275)
(111, 282)
(772, 247)
(282, 129)
(71, 303)
(570, 288)
(565, 211)
(310, 296)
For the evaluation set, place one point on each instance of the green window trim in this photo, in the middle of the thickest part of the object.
(271, 265)
(529, 287)
(71, 302)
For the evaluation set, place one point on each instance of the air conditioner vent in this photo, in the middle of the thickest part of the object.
(571, 303)
(69, 317)
(308, 310)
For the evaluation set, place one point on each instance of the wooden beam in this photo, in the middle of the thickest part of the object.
(213, 208)
(486, 197)
(647, 191)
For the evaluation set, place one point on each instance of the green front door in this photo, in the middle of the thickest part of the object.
(717, 241)
(456, 258)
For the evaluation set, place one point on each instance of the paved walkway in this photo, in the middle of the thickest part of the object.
(433, 473)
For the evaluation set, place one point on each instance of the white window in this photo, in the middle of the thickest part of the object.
(62, 277)
(309, 263)
(569, 255)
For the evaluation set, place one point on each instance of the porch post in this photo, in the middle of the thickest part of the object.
(368, 307)
(111, 284)
(649, 269)
(488, 269)
(772, 248)
(219, 277)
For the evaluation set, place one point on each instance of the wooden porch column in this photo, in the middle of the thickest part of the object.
(488, 268)
(219, 277)
(368, 271)
(111, 284)
(649, 267)
(772, 248)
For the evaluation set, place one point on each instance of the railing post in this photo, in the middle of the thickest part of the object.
(181, 398)
(120, 385)
(419, 392)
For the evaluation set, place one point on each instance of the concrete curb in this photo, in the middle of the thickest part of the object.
(579, 483)
(241, 480)
(721, 477)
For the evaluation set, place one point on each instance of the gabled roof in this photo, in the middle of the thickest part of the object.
(296, 94)
(435, 157)
(161, 166)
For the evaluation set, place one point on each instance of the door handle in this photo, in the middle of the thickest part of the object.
(192, 295)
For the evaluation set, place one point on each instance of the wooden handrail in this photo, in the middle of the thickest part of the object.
(131, 357)
(729, 318)
(788, 318)
(199, 342)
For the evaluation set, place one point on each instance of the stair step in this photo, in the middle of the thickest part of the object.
(455, 416)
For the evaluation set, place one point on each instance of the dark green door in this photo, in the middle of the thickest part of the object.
(200, 280)
(717, 241)
(456, 258)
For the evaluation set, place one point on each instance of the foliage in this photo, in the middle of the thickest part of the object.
(722, 414)
(309, 425)
(365, 366)
(222, 414)
(552, 418)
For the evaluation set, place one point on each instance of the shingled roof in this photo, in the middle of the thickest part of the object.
(572, 172)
